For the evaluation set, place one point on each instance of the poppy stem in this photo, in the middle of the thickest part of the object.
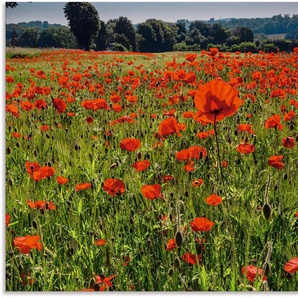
(217, 149)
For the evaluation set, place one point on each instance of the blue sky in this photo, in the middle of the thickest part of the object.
(141, 11)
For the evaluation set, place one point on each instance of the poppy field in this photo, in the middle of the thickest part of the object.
(151, 172)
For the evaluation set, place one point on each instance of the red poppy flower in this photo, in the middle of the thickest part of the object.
(27, 105)
(224, 164)
(7, 219)
(193, 152)
(141, 165)
(215, 101)
(245, 127)
(44, 127)
(100, 242)
(167, 178)
(273, 122)
(89, 119)
(189, 166)
(191, 258)
(130, 144)
(245, 148)
(100, 279)
(197, 182)
(40, 104)
(288, 142)
(276, 162)
(60, 105)
(170, 126)
(62, 180)
(16, 135)
(213, 200)
(213, 51)
(32, 167)
(151, 192)
(191, 57)
(41, 205)
(26, 243)
(82, 186)
(291, 266)
(43, 172)
(251, 272)
(201, 224)
(13, 109)
(171, 244)
(114, 186)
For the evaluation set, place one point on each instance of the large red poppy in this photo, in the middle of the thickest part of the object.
(276, 162)
(26, 243)
(130, 144)
(170, 126)
(215, 101)
(141, 165)
(245, 148)
(114, 186)
(251, 272)
(151, 192)
(201, 224)
(291, 266)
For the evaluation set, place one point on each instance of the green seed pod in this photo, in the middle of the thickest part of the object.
(179, 238)
(267, 210)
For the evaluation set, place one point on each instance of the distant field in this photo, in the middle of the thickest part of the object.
(276, 36)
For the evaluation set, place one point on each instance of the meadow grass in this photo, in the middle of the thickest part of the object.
(135, 228)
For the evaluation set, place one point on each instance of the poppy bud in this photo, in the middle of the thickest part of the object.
(8, 150)
(285, 176)
(179, 238)
(10, 182)
(177, 263)
(291, 127)
(139, 155)
(186, 193)
(236, 132)
(267, 210)
(35, 224)
(275, 187)
(77, 147)
(48, 136)
(266, 268)
(18, 144)
(35, 153)
(171, 271)
(114, 165)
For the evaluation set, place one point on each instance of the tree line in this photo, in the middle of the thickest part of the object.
(86, 31)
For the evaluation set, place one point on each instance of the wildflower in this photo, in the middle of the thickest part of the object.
(201, 224)
(215, 101)
(100, 242)
(151, 192)
(26, 243)
(130, 144)
(213, 200)
(7, 219)
(62, 180)
(273, 122)
(191, 258)
(276, 162)
(141, 165)
(245, 148)
(41, 205)
(59, 105)
(171, 244)
(82, 186)
(291, 266)
(251, 272)
(114, 186)
(197, 182)
(170, 126)
(288, 142)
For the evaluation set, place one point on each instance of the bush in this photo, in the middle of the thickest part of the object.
(244, 47)
(269, 47)
(119, 47)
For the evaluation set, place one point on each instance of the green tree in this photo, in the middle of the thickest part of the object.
(244, 34)
(29, 38)
(83, 21)
(125, 27)
(57, 38)
(101, 37)
(156, 36)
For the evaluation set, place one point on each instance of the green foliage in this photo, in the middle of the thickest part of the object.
(244, 47)
(29, 38)
(83, 21)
